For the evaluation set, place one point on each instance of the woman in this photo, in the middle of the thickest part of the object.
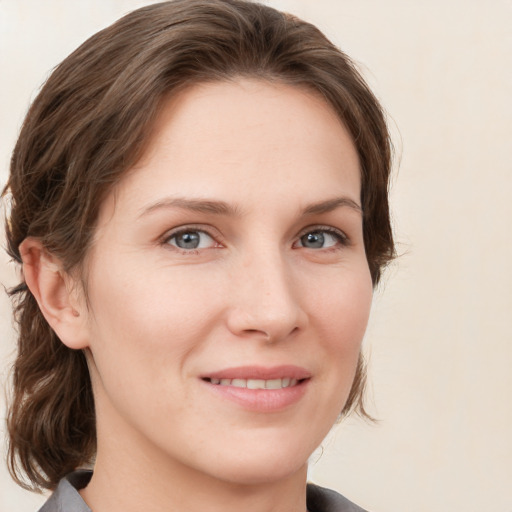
(199, 205)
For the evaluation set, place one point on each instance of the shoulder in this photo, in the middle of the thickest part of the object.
(320, 499)
(66, 497)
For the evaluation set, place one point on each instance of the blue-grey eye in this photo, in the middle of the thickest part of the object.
(319, 240)
(191, 240)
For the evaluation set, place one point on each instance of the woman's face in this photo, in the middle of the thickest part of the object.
(229, 260)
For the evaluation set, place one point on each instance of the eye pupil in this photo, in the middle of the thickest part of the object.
(189, 240)
(313, 240)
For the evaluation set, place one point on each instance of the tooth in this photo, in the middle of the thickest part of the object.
(273, 384)
(255, 384)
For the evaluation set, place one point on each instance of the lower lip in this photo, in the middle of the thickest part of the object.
(261, 400)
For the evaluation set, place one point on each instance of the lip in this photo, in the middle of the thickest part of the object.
(260, 400)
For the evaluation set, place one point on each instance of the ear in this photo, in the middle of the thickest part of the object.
(58, 295)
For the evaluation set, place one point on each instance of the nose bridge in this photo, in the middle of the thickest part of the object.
(266, 301)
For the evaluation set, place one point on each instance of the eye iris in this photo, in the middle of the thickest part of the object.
(313, 240)
(188, 240)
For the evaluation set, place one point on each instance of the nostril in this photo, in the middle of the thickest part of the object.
(258, 331)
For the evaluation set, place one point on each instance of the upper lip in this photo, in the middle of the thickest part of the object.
(260, 372)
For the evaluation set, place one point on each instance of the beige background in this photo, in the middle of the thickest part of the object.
(440, 337)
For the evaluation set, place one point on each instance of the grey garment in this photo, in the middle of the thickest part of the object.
(66, 497)
(320, 499)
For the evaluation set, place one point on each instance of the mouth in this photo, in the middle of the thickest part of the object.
(260, 389)
(285, 382)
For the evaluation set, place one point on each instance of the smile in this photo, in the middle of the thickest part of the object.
(258, 388)
(256, 383)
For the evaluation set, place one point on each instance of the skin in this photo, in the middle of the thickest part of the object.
(257, 291)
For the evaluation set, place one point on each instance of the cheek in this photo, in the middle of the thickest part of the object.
(142, 330)
(343, 308)
(149, 318)
(341, 318)
(144, 298)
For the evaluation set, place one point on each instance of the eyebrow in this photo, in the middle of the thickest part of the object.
(332, 204)
(196, 205)
(218, 207)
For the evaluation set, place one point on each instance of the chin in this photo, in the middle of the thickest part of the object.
(261, 472)
(258, 463)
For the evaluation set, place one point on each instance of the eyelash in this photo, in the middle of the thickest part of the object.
(340, 237)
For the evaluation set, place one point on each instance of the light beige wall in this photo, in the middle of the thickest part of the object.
(440, 338)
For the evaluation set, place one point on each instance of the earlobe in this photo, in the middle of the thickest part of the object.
(56, 294)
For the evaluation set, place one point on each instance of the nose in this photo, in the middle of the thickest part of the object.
(266, 300)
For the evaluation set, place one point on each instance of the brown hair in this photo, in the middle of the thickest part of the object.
(90, 123)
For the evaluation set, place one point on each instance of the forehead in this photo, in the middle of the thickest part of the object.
(237, 115)
(232, 140)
